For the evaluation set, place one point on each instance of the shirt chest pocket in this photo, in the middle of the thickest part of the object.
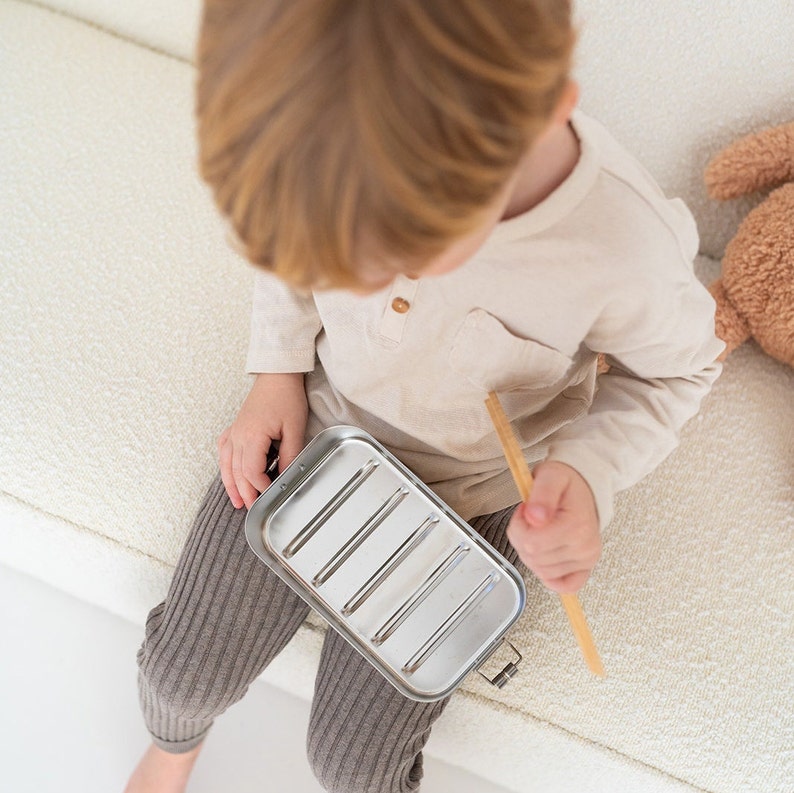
(492, 358)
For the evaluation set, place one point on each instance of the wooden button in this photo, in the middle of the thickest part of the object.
(400, 305)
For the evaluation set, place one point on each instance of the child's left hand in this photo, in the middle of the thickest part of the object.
(556, 532)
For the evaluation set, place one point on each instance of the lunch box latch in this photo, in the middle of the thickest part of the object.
(502, 678)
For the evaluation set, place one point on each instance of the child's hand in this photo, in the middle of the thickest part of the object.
(556, 532)
(275, 409)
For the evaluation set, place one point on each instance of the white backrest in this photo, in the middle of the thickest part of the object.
(675, 80)
(170, 26)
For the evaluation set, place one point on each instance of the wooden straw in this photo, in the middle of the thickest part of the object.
(523, 479)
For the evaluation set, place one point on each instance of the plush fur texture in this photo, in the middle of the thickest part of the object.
(755, 296)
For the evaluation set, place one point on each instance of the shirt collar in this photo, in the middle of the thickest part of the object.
(560, 203)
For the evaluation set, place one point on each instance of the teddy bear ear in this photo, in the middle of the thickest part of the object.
(762, 160)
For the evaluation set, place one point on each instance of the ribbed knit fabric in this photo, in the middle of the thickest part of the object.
(227, 615)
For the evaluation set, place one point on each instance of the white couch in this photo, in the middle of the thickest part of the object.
(123, 329)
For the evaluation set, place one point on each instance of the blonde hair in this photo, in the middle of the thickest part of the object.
(325, 123)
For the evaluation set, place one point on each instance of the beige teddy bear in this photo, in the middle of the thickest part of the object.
(755, 296)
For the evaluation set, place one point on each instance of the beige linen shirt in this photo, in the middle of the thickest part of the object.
(604, 264)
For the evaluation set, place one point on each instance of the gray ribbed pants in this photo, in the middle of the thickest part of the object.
(226, 616)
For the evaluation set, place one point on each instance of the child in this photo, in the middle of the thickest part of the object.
(433, 219)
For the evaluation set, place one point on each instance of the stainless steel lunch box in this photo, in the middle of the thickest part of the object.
(387, 563)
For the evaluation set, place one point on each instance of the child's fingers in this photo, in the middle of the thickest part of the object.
(227, 476)
(559, 542)
(555, 532)
(248, 465)
(544, 544)
(555, 552)
(531, 547)
(548, 491)
(569, 584)
(246, 490)
(557, 564)
(291, 443)
(254, 456)
(564, 567)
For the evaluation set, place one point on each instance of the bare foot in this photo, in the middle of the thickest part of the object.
(162, 772)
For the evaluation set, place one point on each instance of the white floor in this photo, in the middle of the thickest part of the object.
(69, 719)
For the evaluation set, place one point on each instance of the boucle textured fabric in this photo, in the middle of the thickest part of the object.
(125, 315)
(123, 329)
(170, 27)
(679, 80)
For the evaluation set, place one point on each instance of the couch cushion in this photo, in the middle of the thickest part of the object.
(125, 320)
(122, 337)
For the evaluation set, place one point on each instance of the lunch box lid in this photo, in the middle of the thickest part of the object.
(387, 563)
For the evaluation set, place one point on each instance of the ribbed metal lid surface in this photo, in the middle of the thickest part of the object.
(387, 563)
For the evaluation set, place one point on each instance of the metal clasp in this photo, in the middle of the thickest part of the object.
(501, 679)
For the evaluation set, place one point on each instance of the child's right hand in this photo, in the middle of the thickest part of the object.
(275, 409)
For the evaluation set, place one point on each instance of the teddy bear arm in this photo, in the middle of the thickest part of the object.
(729, 325)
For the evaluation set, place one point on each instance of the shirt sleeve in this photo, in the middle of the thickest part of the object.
(284, 326)
(661, 345)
